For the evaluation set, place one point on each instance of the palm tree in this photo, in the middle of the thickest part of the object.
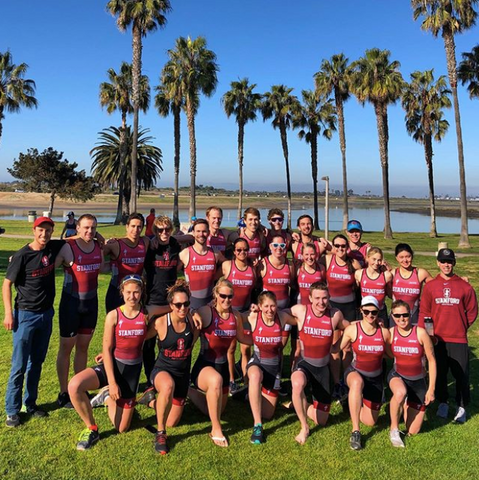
(377, 80)
(144, 16)
(333, 77)
(116, 95)
(108, 168)
(281, 106)
(243, 103)
(195, 69)
(317, 115)
(448, 17)
(15, 91)
(468, 71)
(424, 100)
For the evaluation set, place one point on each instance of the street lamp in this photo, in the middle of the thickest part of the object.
(326, 207)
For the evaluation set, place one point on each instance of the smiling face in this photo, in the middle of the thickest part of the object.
(224, 297)
(401, 316)
(370, 314)
(319, 301)
(404, 259)
(214, 219)
(86, 229)
(278, 247)
(252, 222)
(241, 250)
(354, 236)
(305, 226)
(131, 292)
(268, 308)
(163, 232)
(133, 229)
(42, 234)
(446, 267)
(340, 247)
(180, 304)
(375, 261)
(200, 233)
(309, 256)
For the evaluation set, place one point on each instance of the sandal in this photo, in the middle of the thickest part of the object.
(219, 441)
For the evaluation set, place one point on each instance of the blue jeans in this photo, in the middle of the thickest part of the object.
(31, 336)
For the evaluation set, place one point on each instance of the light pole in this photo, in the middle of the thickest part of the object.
(326, 208)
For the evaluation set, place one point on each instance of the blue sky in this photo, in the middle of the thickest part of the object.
(70, 45)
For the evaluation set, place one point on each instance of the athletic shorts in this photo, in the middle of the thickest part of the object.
(182, 383)
(416, 390)
(271, 376)
(348, 309)
(319, 379)
(77, 316)
(221, 368)
(113, 299)
(127, 377)
(372, 391)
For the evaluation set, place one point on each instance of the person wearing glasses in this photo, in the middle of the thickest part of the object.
(70, 227)
(220, 325)
(309, 272)
(252, 233)
(357, 249)
(451, 303)
(276, 220)
(305, 227)
(364, 376)
(409, 344)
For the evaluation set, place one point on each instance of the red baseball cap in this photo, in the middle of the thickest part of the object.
(41, 220)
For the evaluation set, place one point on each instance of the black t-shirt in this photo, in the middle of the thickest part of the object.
(160, 266)
(33, 274)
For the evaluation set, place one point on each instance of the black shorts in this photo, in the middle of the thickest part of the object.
(319, 378)
(372, 391)
(347, 309)
(77, 316)
(127, 377)
(221, 368)
(113, 298)
(416, 390)
(271, 376)
(182, 383)
(294, 332)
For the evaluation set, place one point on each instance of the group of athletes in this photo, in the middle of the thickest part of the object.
(238, 286)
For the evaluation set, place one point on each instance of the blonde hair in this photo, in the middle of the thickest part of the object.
(162, 220)
(222, 282)
(374, 250)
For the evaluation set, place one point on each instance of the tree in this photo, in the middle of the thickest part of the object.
(116, 95)
(281, 106)
(108, 170)
(424, 101)
(468, 71)
(15, 91)
(144, 16)
(243, 103)
(195, 67)
(377, 80)
(448, 17)
(333, 77)
(317, 115)
(48, 172)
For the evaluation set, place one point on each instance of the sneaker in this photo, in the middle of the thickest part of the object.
(238, 371)
(87, 439)
(34, 411)
(147, 397)
(442, 410)
(161, 445)
(258, 436)
(63, 400)
(100, 398)
(355, 440)
(460, 416)
(395, 437)
(234, 387)
(12, 421)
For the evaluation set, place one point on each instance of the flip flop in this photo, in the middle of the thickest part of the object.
(219, 441)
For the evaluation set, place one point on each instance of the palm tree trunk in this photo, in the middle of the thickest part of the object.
(314, 173)
(450, 47)
(121, 187)
(284, 143)
(177, 130)
(191, 130)
(432, 201)
(342, 145)
(1, 118)
(52, 201)
(119, 205)
(240, 165)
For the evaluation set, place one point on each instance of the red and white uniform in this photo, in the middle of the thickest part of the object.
(373, 287)
(254, 244)
(243, 284)
(298, 256)
(360, 254)
(316, 337)
(217, 242)
(340, 282)
(267, 341)
(368, 352)
(200, 272)
(278, 281)
(408, 355)
(305, 280)
(130, 261)
(130, 335)
(407, 289)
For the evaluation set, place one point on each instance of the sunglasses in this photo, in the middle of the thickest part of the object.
(161, 230)
(132, 278)
(278, 245)
(239, 250)
(449, 262)
(178, 305)
(224, 296)
(277, 220)
(399, 315)
(339, 245)
(373, 313)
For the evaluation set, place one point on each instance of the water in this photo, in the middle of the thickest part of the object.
(372, 219)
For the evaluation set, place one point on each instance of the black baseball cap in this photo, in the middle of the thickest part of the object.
(446, 254)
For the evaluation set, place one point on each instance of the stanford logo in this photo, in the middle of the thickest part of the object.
(45, 261)
(180, 344)
(447, 292)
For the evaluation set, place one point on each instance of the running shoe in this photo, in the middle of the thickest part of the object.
(234, 387)
(161, 445)
(87, 439)
(460, 416)
(63, 400)
(238, 371)
(100, 398)
(147, 397)
(442, 410)
(395, 437)
(34, 411)
(12, 421)
(355, 440)
(258, 436)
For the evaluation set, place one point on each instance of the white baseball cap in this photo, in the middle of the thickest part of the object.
(370, 300)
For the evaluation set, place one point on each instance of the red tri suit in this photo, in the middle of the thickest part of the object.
(254, 244)
(407, 289)
(217, 242)
(278, 281)
(267, 341)
(375, 288)
(130, 261)
(340, 282)
(200, 273)
(408, 355)
(243, 284)
(368, 352)
(130, 335)
(305, 280)
(360, 254)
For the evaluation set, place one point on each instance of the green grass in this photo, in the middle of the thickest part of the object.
(45, 448)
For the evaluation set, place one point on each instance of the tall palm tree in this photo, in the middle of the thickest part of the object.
(116, 95)
(281, 106)
(377, 80)
(333, 77)
(195, 68)
(448, 17)
(243, 103)
(108, 167)
(144, 16)
(15, 91)
(468, 71)
(424, 101)
(317, 115)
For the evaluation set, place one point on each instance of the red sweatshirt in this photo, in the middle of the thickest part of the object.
(452, 305)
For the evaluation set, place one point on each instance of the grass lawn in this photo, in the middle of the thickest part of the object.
(45, 448)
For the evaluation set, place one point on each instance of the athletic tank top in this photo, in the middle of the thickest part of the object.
(243, 284)
(216, 338)
(267, 341)
(359, 255)
(217, 242)
(278, 280)
(375, 288)
(407, 289)
(130, 261)
(81, 278)
(340, 281)
(408, 355)
(200, 273)
(316, 337)
(71, 228)
(130, 335)
(254, 244)
(305, 280)
(368, 351)
(298, 256)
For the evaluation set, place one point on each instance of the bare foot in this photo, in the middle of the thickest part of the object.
(302, 436)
